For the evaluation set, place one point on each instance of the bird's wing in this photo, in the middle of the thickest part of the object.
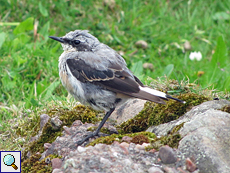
(114, 78)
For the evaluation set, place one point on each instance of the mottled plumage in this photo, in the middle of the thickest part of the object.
(97, 76)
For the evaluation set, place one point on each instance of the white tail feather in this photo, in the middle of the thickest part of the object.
(153, 92)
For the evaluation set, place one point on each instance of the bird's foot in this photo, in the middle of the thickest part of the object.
(90, 135)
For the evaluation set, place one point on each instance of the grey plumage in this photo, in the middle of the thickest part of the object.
(98, 76)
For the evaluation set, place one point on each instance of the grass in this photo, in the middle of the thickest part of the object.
(29, 60)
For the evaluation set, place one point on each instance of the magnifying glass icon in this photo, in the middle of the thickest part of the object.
(9, 160)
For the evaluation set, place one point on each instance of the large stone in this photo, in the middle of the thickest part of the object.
(128, 110)
(163, 129)
(205, 136)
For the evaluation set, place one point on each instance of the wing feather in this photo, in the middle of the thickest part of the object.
(116, 80)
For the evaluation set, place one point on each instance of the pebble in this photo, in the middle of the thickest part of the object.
(44, 118)
(56, 123)
(56, 163)
(190, 166)
(47, 145)
(187, 46)
(126, 139)
(67, 130)
(167, 155)
(148, 66)
(155, 170)
(81, 149)
(141, 44)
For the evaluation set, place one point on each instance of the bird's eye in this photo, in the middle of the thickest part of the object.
(76, 42)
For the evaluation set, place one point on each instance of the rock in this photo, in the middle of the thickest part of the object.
(187, 46)
(141, 44)
(109, 3)
(172, 170)
(56, 123)
(57, 171)
(163, 129)
(206, 138)
(126, 139)
(128, 110)
(167, 155)
(44, 118)
(148, 66)
(47, 145)
(190, 166)
(56, 163)
(155, 170)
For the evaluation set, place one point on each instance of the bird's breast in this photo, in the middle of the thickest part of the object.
(73, 86)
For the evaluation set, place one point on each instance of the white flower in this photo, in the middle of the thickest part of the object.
(195, 55)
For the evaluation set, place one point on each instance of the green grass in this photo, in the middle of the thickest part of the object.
(29, 63)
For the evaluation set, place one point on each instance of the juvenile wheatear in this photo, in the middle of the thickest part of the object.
(96, 75)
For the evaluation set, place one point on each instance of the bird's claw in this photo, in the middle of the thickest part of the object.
(90, 135)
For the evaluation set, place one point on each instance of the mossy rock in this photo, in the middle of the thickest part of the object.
(226, 109)
(155, 114)
(79, 112)
(138, 138)
(172, 139)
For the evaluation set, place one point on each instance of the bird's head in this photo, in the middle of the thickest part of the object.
(78, 40)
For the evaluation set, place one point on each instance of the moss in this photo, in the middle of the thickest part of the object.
(28, 126)
(177, 128)
(155, 114)
(172, 139)
(139, 137)
(48, 136)
(226, 109)
(33, 165)
(103, 130)
(80, 112)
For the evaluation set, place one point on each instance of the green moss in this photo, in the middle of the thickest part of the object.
(79, 112)
(103, 130)
(139, 138)
(177, 128)
(226, 109)
(172, 139)
(33, 165)
(155, 114)
(28, 126)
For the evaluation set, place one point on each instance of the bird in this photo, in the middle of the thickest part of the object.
(97, 76)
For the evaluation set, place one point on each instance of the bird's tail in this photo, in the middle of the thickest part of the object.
(153, 95)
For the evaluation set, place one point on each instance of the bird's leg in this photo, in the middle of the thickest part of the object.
(95, 133)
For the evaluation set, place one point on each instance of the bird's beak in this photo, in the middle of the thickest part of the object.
(60, 39)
